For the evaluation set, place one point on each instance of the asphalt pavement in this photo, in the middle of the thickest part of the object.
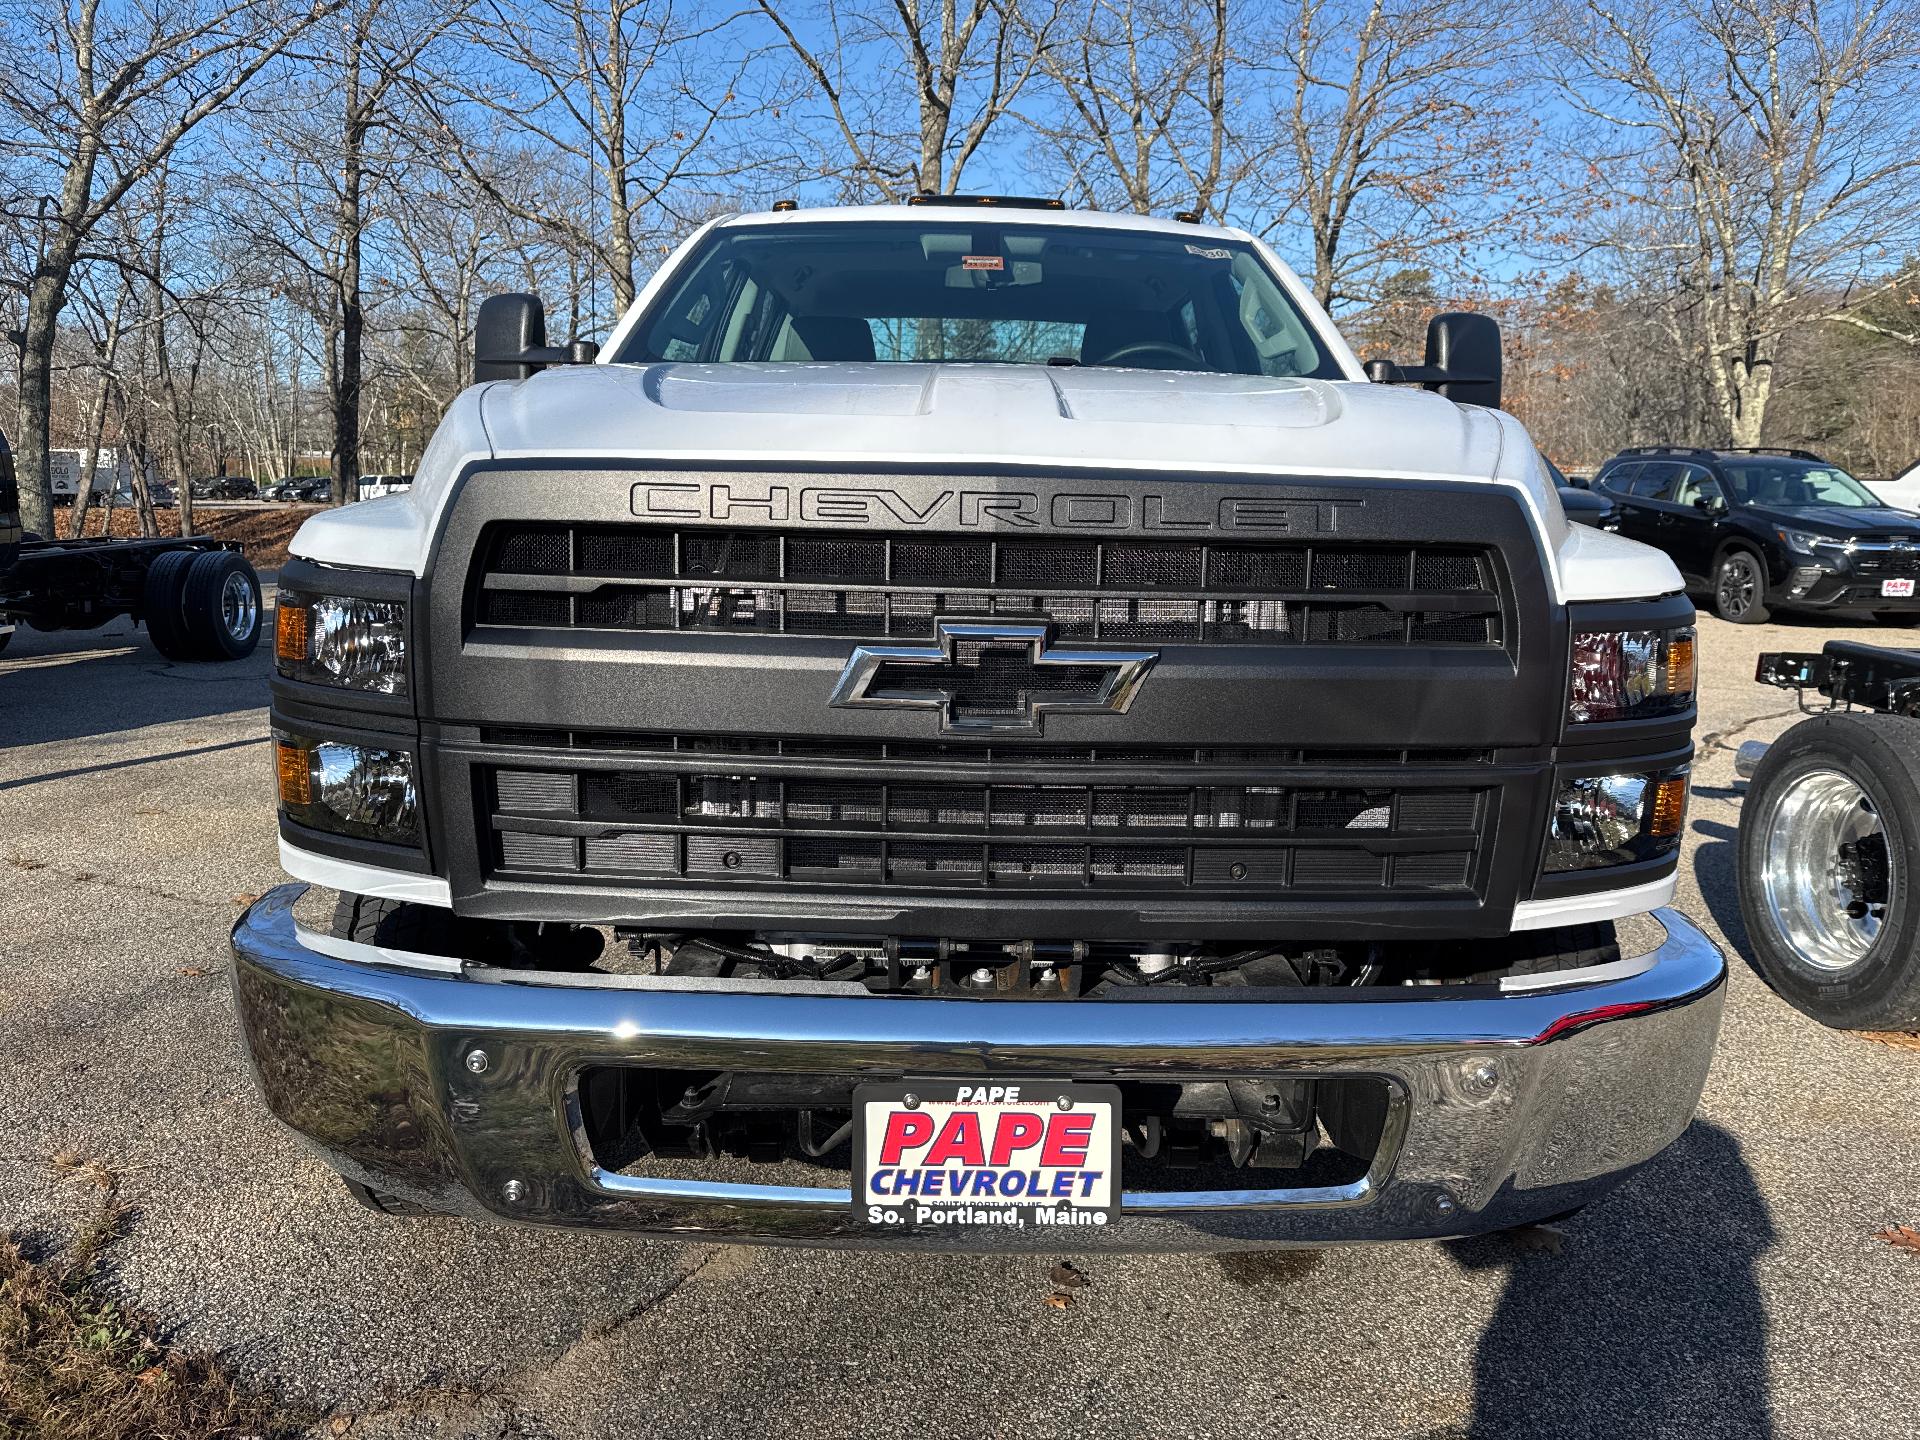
(1732, 1289)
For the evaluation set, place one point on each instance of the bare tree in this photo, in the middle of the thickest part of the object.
(332, 145)
(125, 88)
(1773, 144)
(1142, 92)
(1383, 133)
(911, 88)
(629, 98)
(1890, 310)
(112, 319)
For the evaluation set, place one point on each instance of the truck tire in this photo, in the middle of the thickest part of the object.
(1897, 619)
(1740, 587)
(163, 600)
(394, 924)
(6, 639)
(1829, 870)
(222, 606)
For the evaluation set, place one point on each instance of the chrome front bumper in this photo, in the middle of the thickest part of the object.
(1503, 1109)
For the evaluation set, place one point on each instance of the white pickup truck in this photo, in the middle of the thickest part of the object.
(1902, 492)
(968, 719)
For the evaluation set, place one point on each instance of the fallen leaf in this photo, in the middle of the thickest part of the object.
(1057, 1301)
(192, 970)
(1894, 1039)
(341, 1424)
(1067, 1277)
(1901, 1237)
(245, 898)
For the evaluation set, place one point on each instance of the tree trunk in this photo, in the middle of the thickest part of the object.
(346, 386)
(31, 464)
(1751, 387)
(96, 426)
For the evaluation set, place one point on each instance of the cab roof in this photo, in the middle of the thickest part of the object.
(1004, 214)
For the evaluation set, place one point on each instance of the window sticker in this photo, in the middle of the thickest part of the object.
(983, 262)
(1209, 252)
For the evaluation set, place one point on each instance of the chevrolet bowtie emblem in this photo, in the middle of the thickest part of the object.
(993, 678)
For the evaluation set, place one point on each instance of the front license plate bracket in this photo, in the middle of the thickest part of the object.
(955, 1154)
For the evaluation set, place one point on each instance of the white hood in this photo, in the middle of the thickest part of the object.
(991, 415)
(988, 415)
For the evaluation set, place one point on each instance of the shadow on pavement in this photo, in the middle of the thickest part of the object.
(1713, 870)
(1650, 1322)
(109, 684)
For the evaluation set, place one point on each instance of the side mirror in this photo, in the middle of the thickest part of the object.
(507, 327)
(1463, 360)
(510, 340)
(1467, 346)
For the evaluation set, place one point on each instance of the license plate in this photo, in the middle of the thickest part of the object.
(992, 1154)
(1897, 589)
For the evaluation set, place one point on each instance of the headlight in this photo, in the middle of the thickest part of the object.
(338, 640)
(1806, 542)
(1603, 820)
(348, 789)
(1630, 674)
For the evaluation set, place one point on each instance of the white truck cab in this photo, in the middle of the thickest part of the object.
(968, 718)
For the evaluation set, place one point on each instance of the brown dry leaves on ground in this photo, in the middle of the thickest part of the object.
(77, 1364)
(1894, 1039)
(263, 530)
(1901, 1237)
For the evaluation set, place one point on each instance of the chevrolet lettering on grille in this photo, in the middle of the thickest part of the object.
(992, 678)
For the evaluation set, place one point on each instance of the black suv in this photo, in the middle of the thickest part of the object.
(225, 487)
(1761, 528)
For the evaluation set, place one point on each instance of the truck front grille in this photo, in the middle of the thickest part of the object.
(655, 578)
(905, 825)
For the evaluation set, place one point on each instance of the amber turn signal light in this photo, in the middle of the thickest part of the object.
(295, 769)
(290, 632)
(1669, 806)
(1680, 665)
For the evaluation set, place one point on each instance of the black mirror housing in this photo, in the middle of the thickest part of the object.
(508, 327)
(1465, 349)
(1463, 360)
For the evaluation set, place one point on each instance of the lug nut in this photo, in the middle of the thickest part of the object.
(513, 1192)
(1444, 1204)
(477, 1061)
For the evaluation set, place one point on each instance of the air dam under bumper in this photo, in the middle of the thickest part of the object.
(368, 1063)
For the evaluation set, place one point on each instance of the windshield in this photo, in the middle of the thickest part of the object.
(982, 293)
(1775, 481)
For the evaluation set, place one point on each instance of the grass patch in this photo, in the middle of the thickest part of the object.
(77, 1364)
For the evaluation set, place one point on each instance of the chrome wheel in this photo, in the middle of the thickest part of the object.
(1738, 586)
(1829, 871)
(239, 607)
